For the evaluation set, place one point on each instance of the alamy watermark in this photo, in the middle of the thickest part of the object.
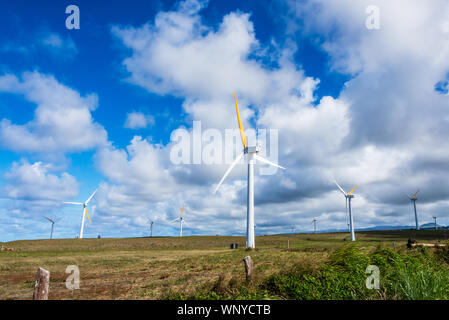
(372, 22)
(373, 281)
(73, 20)
(209, 146)
(73, 280)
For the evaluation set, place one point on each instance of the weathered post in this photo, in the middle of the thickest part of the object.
(42, 284)
(249, 268)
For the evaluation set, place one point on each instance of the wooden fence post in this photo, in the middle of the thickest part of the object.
(249, 268)
(42, 284)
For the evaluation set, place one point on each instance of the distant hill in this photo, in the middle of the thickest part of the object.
(425, 226)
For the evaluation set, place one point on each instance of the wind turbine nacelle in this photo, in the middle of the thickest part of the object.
(255, 149)
(350, 196)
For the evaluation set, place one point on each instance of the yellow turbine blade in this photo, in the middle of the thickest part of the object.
(415, 194)
(242, 131)
(85, 210)
(349, 193)
(182, 210)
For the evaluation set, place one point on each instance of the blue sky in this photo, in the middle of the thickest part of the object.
(96, 108)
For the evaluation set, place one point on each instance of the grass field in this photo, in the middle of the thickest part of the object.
(173, 268)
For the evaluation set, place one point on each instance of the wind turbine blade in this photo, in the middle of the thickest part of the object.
(240, 156)
(242, 131)
(350, 192)
(414, 196)
(257, 157)
(174, 220)
(91, 196)
(182, 210)
(85, 211)
(74, 203)
(49, 220)
(408, 196)
(339, 187)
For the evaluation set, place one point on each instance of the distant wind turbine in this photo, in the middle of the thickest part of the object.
(181, 221)
(52, 223)
(151, 229)
(435, 218)
(348, 196)
(413, 200)
(252, 153)
(84, 212)
(314, 225)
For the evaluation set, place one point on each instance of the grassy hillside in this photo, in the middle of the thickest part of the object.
(192, 267)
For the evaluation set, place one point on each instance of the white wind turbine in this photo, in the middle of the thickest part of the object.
(252, 155)
(348, 196)
(181, 221)
(84, 212)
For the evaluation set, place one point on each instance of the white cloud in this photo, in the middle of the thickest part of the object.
(62, 120)
(35, 182)
(138, 120)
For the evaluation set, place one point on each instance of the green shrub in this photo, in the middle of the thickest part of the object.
(416, 274)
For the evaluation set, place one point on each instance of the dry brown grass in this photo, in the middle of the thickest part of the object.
(152, 268)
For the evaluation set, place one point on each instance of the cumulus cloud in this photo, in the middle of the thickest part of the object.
(30, 192)
(62, 119)
(35, 181)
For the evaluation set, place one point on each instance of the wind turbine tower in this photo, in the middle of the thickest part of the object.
(413, 200)
(151, 229)
(349, 196)
(252, 155)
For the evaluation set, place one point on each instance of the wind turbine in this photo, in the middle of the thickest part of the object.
(314, 225)
(84, 212)
(413, 199)
(348, 197)
(181, 221)
(52, 223)
(435, 218)
(151, 228)
(252, 156)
